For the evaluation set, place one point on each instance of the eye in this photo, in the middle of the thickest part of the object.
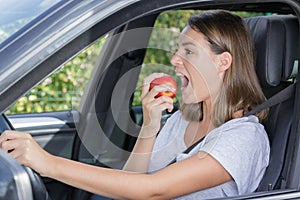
(188, 52)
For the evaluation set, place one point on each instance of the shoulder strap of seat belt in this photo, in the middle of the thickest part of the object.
(188, 150)
(279, 97)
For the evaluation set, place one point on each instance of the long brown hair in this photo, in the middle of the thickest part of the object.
(227, 32)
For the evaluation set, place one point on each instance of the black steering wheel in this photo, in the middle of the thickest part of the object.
(38, 188)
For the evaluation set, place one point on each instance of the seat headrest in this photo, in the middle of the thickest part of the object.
(276, 44)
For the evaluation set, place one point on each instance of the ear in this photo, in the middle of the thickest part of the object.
(224, 61)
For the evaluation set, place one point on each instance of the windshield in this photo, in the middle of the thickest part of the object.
(15, 14)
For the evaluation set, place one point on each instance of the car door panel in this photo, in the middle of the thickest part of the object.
(53, 131)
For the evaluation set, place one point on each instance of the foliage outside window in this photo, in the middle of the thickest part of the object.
(63, 89)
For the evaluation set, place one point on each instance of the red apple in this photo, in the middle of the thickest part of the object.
(164, 80)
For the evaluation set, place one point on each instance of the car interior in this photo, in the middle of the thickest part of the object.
(276, 41)
(276, 55)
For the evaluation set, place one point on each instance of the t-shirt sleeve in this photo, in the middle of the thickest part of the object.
(243, 151)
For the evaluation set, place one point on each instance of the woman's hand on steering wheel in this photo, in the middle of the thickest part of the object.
(22, 147)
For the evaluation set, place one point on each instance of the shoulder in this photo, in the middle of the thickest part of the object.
(247, 129)
(242, 147)
(243, 136)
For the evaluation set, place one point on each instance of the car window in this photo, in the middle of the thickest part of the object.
(16, 14)
(63, 89)
(163, 43)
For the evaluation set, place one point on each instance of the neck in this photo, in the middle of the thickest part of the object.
(197, 130)
(207, 111)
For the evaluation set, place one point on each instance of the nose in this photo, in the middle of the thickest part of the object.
(176, 60)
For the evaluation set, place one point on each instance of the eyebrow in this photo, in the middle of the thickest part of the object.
(188, 43)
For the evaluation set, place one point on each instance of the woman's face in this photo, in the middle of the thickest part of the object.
(196, 67)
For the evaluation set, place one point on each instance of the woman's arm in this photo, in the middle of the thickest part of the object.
(139, 158)
(193, 174)
(181, 178)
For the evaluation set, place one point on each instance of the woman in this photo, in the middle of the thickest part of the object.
(215, 63)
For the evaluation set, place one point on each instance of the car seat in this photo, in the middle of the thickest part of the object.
(276, 44)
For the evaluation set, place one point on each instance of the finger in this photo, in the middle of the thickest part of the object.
(164, 99)
(9, 145)
(3, 137)
(6, 135)
(145, 90)
(147, 95)
(21, 151)
(10, 134)
(166, 106)
(170, 108)
(158, 108)
(149, 102)
(17, 153)
(20, 156)
(160, 104)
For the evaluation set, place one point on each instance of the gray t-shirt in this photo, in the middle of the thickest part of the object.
(241, 146)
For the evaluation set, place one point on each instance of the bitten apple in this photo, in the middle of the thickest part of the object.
(165, 80)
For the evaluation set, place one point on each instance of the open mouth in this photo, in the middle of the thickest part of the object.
(184, 80)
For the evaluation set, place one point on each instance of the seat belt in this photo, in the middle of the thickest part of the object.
(278, 98)
(187, 150)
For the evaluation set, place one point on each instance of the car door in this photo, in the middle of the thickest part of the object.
(47, 111)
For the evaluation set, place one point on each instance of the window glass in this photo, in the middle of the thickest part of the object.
(15, 14)
(64, 88)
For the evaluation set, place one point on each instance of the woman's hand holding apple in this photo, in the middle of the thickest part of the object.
(158, 92)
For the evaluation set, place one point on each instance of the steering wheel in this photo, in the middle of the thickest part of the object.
(38, 188)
